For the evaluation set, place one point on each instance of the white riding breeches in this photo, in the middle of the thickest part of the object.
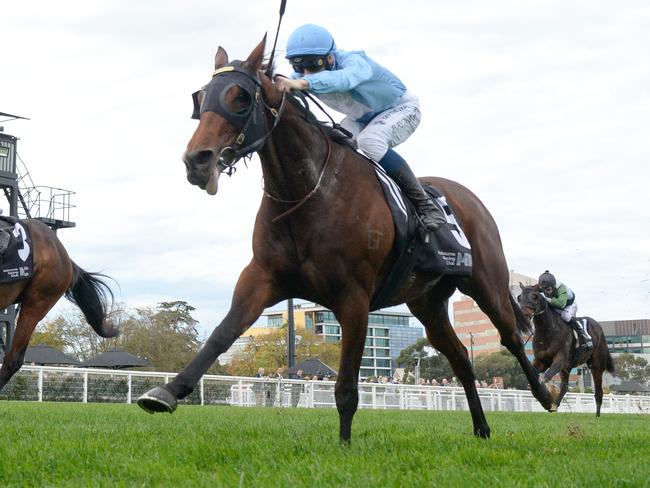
(568, 312)
(388, 129)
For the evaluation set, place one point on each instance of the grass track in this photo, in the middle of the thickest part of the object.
(51, 444)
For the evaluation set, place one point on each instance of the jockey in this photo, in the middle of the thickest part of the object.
(562, 299)
(380, 112)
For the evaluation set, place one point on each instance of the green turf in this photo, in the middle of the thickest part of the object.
(50, 444)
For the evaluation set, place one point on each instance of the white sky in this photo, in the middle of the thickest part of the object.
(542, 108)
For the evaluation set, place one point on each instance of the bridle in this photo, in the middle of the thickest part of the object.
(250, 123)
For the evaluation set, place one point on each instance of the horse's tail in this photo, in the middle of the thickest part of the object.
(610, 363)
(90, 293)
(523, 324)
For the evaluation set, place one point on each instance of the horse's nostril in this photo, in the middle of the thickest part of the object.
(203, 157)
(199, 158)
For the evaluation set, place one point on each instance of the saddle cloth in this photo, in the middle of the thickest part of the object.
(447, 252)
(16, 263)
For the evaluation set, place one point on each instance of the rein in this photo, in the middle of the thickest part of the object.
(300, 202)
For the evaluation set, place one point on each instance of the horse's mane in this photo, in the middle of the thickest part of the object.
(299, 101)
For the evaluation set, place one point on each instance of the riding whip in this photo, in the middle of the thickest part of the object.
(269, 69)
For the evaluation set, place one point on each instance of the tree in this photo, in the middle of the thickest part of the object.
(631, 367)
(165, 335)
(48, 333)
(432, 363)
(502, 364)
(269, 351)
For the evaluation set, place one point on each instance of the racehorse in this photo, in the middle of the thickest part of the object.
(324, 233)
(54, 275)
(554, 344)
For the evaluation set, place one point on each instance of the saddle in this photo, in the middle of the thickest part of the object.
(16, 260)
(445, 251)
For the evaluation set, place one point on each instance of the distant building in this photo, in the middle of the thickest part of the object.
(474, 328)
(631, 336)
(237, 348)
(389, 333)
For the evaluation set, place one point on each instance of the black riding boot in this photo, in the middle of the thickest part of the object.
(585, 343)
(430, 214)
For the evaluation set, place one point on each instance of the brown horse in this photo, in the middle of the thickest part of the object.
(554, 345)
(54, 275)
(324, 233)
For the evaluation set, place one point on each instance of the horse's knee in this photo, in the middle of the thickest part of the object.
(347, 398)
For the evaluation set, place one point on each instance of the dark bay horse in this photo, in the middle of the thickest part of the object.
(554, 344)
(54, 275)
(324, 233)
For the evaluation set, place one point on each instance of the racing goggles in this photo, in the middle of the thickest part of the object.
(313, 64)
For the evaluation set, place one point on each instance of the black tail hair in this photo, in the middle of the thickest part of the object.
(610, 363)
(91, 294)
(523, 324)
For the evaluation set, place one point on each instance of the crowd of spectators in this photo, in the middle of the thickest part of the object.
(497, 382)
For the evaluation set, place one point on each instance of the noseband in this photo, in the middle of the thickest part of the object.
(250, 122)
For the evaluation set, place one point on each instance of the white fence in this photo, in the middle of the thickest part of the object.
(41, 383)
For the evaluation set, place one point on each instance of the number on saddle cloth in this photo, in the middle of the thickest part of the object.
(447, 251)
(17, 258)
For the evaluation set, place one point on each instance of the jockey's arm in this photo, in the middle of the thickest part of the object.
(351, 72)
(560, 297)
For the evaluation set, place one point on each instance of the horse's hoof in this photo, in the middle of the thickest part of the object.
(553, 395)
(554, 391)
(483, 432)
(157, 399)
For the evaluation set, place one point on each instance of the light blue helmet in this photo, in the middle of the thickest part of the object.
(309, 39)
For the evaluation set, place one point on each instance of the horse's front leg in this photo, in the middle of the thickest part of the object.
(564, 386)
(556, 366)
(254, 292)
(32, 310)
(353, 317)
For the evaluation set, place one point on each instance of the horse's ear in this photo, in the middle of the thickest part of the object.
(521, 285)
(257, 56)
(221, 58)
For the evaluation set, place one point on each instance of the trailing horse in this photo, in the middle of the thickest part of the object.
(54, 275)
(324, 233)
(554, 344)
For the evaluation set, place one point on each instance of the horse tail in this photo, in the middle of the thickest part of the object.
(90, 293)
(523, 324)
(610, 363)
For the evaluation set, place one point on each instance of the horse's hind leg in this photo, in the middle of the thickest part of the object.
(353, 317)
(435, 318)
(597, 375)
(31, 313)
(495, 302)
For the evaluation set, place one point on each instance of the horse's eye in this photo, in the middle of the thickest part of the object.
(242, 102)
(534, 296)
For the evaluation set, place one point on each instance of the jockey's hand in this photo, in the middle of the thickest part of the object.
(287, 84)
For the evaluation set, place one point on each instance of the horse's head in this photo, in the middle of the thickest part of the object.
(531, 301)
(232, 124)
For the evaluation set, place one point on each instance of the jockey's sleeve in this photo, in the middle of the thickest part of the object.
(561, 299)
(354, 69)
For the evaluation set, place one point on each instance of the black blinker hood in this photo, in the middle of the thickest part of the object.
(250, 123)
